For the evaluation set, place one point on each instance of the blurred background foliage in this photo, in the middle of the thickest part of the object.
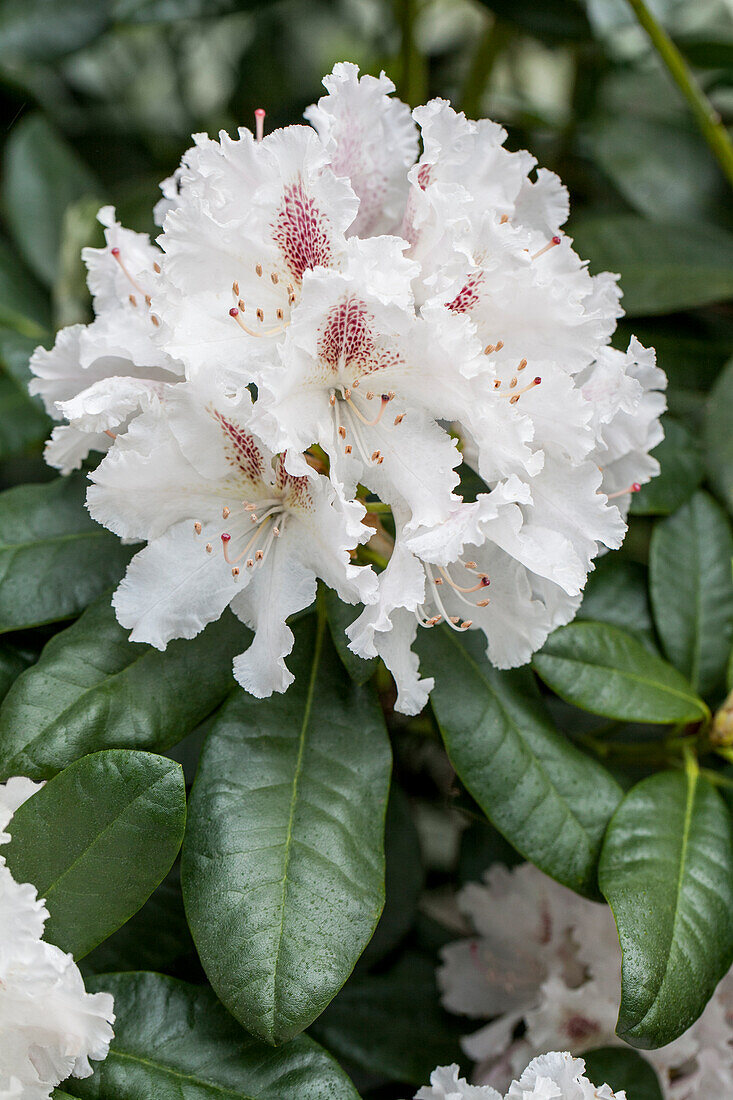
(99, 98)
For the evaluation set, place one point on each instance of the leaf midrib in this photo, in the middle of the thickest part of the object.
(161, 1068)
(692, 782)
(321, 623)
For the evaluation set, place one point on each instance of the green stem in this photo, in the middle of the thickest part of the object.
(489, 46)
(377, 507)
(707, 117)
(411, 85)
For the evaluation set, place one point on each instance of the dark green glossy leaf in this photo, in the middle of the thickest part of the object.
(42, 176)
(22, 425)
(156, 938)
(663, 266)
(54, 559)
(12, 663)
(174, 1040)
(603, 669)
(93, 689)
(681, 472)
(341, 615)
(667, 873)
(548, 799)
(623, 1069)
(96, 840)
(692, 590)
(719, 437)
(283, 865)
(373, 1023)
(616, 593)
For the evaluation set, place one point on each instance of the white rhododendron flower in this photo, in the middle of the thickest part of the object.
(189, 477)
(548, 959)
(405, 326)
(553, 1076)
(49, 1025)
(97, 376)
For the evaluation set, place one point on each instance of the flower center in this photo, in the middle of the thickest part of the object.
(437, 577)
(132, 299)
(252, 321)
(253, 531)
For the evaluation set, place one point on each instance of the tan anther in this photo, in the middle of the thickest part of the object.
(253, 518)
(132, 300)
(347, 449)
(209, 547)
(225, 512)
(332, 399)
(497, 384)
(148, 300)
(522, 364)
(250, 563)
(197, 527)
(276, 532)
(154, 319)
(355, 384)
(513, 382)
(279, 314)
(470, 564)
(499, 345)
(482, 603)
(513, 400)
(235, 288)
(369, 395)
(259, 555)
(375, 456)
(342, 431)
(438, 580)
(504, 219)
(466, 623)
(156, 267)
(347, 393)
(240, 305)
(391, 395)
(455, 619)
(275, 277)
(260, 315)
(399, 419)
(235, 571)
(380, 460)
(258, 269)
(488, 349)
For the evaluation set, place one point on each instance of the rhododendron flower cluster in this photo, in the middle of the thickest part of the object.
(547, 959)
(49, 1025)
(554, 1076)
(340, 326)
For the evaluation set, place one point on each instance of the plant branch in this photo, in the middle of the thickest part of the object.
(707, 117)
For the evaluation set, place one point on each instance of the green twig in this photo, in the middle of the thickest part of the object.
(490, 44)
(707, 117)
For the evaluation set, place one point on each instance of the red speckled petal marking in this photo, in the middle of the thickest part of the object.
(424, 173)
(468, 296)
(345, 339)
(302, 231)
(297, 489)
(241, 449)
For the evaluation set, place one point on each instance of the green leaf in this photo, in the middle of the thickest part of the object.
(692, 590)
(681, 472)
(11, 666)
(623, 1070)
(661, 166)
(283, 864)
(718, 436)
(41, 30)
(663, 266)
(96, 840)
(373, 1023)
(340, 615)
(93, 689)
(616, 593)
(603, 669)
(22, 425)
(24, 304)
(156, 938)
(54, 559)
(174, 1040)
(404, 879)
(550, 801)
(42, 176)
(667, 873)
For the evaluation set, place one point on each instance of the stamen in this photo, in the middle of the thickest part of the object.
(154, 319)
(386, 398)
(258, 269)
(235, 290)
(237, 315)
(156, 267)
(132, 300)
(235, 571)
(259, 123)
(553, 243)
(399, 419)
(225, 512)
(209, 547)
(275, 277)
(116, 253)
(522, 364)
(503, 219)
(634, 488)
(197, 527)
(112, 435)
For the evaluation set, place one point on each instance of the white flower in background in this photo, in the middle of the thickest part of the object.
(553, 1076)
(549, 959)
(399, 322)
(97, 376)
(49, 1025)
(226, 525)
